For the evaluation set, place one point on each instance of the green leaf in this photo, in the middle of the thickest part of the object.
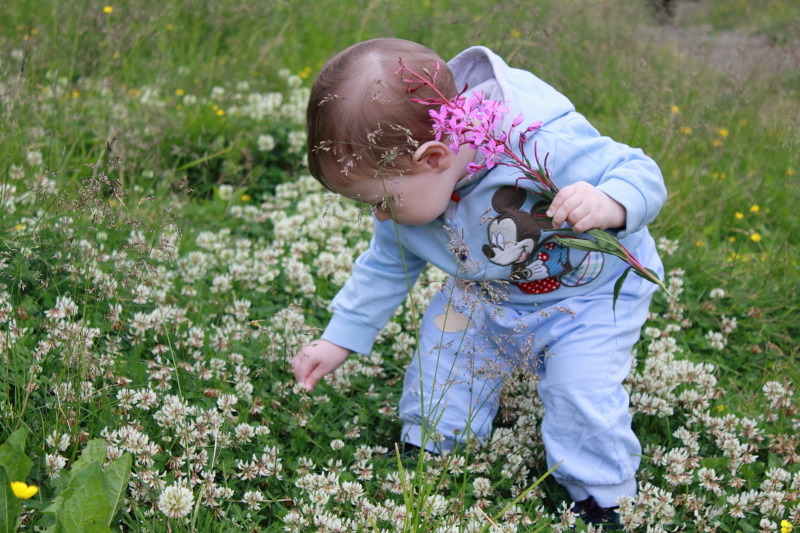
(18, 438)
(117, 475)
(10, 505)
(618, 287)
(93, 453)
(13, 458)
(86, 505)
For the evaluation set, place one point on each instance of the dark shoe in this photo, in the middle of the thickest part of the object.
(593, 514)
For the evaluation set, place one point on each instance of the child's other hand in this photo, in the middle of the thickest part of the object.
(585, 207)
(316, 360)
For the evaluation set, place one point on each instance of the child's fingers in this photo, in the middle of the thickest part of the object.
(316, 374)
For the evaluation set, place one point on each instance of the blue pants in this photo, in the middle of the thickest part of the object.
(451, 388)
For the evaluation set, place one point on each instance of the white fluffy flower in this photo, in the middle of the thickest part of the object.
(176, 501)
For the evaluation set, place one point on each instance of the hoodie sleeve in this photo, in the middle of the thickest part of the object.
(625, 174)
(381, 278)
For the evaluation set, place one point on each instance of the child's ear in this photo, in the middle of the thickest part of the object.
(432, 156)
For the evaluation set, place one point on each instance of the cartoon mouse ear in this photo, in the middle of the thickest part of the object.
(508, 199)
(539, 210)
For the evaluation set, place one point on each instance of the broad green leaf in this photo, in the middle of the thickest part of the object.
(13, 458)
(18, 438)
(10, 506)
(93, 453)
(117, 475)
(86, 504)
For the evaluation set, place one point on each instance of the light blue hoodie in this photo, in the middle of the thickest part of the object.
(489, 234)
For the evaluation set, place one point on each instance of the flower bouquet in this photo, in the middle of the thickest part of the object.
(474, 120)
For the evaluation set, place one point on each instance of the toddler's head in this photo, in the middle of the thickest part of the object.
(361, 121)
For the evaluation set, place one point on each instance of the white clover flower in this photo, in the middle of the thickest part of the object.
(34, 158)
(54, 463)
(266, 142)
(176, 501)
(717, 293)
(716, 340)
(217, 92)
(337, 444)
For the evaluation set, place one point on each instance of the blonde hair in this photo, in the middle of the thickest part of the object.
(361, 120)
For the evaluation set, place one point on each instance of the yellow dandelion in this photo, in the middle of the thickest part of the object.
(245, 198)
(699, 244)
(179, 92)
(716, 143)
(515, 33)
(733, 257)
(731, 239)
(790, 172)
(786, 526)
(723, 132)
(754, 208)
(755, 237)
(738, 215)
(116, 55)
(305, 73)
(23, 491)
(19, 227)
(76, 94)
(720, 408)
(108, 10)
(685, 130)
(169, 27)
(220, 112)
(675, 109)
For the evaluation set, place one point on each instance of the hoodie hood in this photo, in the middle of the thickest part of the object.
(478, 67)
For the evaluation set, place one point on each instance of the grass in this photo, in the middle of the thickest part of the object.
(135, 182)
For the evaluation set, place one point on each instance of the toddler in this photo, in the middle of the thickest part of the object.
(516, 295)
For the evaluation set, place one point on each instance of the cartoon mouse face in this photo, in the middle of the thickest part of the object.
(514, 233)
(505, 245)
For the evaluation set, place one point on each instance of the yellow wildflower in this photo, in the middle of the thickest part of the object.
(716, 143)
(786, 526)
(675, 110)
(245, 198)
(699, 243)
(179, 92)
(723, 132)
(686, 130)
(754, 208)
(515, 33)
(220, 112)
(76, 94)
(790, 172)
(738, 215)
(170, 27)
(108, 10)
(755, 237)
(731, 239)
(23, 491)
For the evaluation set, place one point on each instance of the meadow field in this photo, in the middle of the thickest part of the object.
(164, 254)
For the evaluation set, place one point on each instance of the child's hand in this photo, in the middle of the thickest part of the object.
(316, 360)
(585, 207)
